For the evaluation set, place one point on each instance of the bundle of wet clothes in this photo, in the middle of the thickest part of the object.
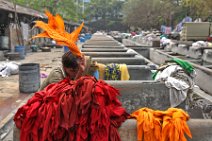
(178, 75)
(81, 110)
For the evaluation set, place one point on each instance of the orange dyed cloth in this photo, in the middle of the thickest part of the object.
(55, 29)
(167, 125)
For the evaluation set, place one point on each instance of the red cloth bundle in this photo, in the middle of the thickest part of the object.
(82, 110)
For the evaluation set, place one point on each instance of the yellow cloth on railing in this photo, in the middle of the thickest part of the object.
(101, 69)
(124, 72)
(123, 68)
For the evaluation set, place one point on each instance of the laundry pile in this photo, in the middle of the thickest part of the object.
(169, 125)
(8, 68)
(81, 110)
(178, 75)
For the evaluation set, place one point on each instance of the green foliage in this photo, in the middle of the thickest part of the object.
(66, 8)
(198, 8)
(152, 13)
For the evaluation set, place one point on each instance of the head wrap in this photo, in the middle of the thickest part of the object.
(55, 29)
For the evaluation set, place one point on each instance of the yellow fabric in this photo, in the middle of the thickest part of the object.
(101, 69)
(124, 72)
(123, 68)
(55, 29)
(167, 125)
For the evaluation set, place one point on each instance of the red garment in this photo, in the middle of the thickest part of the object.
(82, 110)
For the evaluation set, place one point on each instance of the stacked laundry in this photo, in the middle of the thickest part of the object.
(81, 110)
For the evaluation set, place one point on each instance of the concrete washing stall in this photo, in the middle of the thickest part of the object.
(103, 50)
(200, 130)
(109, 43)
(137, 67)
(121, 60)
(204, 75)
(155, 95)
(110, 54)
(138, 94)
(102, 46)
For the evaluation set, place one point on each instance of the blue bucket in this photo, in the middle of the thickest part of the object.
(21, 51)
(82, 40)
(66, 49)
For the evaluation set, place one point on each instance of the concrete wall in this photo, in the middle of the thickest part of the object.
(103, 50)
(204, 80)
(100, 46)
(200, 130)
(126, 60)
(204, 75)
(128, 42)
(138, 94)
(144, 51)
(157, 57)
(139, 72)
(109, 43)
(110, 54)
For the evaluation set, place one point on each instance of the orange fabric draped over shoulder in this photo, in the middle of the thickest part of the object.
(55, 29)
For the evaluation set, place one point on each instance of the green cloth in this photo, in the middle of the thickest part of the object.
(154, 74)
(184, 64)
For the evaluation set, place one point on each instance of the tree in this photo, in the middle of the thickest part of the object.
(147, 13)
(105, 14)
(66, 8)
(198, 8)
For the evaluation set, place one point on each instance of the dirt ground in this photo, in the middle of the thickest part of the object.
(11, 98)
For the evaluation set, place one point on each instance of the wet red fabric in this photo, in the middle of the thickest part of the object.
(82, 110)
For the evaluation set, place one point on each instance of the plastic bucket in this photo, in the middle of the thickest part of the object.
(66, 49)
(29, 77)
(21, 51)
(82, 40)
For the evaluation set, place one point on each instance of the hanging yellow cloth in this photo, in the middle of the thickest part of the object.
(55, 29)
(123, 68)
(167, 125)
(124, 72)
(101, 69)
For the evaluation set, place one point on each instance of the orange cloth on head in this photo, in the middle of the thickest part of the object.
(55, 29)
(167, 125)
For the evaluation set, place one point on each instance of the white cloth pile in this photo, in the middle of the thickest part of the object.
(164, 41)
(178, 87)
(197, 45)
(8, 68)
